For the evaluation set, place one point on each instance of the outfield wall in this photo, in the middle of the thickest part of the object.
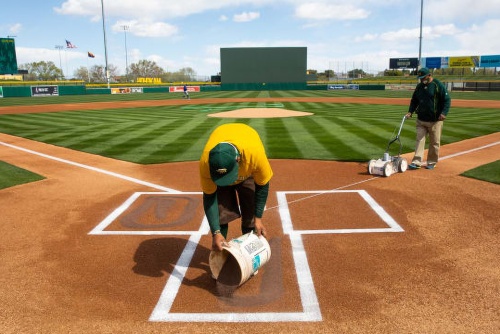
(56, 90)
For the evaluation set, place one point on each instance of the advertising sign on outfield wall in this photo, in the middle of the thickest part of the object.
(44, 91)
(432, 62)
(180, 89)
(489, 61)
(1, 91)
(468, 61)
(120, 90)
(127, 90)
(461, 62)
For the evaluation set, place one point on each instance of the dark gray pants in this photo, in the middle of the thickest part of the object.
(238, 201)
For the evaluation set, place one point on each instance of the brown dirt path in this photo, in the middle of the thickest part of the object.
(170, 102)
(438, 276)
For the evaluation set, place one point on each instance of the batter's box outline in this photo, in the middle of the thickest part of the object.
(286, 218)
(100, 229)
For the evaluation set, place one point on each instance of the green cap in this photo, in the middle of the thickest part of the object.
(223, 164)
(423, 72)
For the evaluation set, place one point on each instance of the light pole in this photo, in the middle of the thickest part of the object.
(60, 47)
(125, 28)
(420, 44)
(105, 47)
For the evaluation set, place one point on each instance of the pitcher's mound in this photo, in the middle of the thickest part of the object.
(259, 113)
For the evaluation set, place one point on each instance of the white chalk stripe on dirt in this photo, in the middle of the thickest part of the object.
(95, 169)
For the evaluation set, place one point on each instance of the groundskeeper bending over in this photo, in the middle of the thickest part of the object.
(234, 175)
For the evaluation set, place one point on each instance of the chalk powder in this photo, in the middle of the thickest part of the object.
(229, 277)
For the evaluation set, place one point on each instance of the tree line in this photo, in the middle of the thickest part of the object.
(48, 71)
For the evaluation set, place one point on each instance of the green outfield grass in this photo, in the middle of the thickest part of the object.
(336, 131)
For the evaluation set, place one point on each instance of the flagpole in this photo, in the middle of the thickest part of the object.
(105, 47)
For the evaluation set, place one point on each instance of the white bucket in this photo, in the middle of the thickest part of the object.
(239, 259)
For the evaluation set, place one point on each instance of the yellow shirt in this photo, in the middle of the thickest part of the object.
(253, 161)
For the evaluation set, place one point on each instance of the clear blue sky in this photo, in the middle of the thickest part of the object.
(338, 34)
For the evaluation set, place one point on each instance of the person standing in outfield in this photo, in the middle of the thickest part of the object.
(234, 174)
(431, 102)
(186, 93)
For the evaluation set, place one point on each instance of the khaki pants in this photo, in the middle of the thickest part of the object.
(238, 201)
(433, 129)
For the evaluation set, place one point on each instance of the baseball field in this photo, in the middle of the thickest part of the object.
(112, 237)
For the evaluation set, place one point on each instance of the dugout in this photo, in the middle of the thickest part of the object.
(260, 68)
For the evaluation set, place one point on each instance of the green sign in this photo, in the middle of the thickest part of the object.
(8, 60)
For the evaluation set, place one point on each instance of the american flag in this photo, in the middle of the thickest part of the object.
(69, 45)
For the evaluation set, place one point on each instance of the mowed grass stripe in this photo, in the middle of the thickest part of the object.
(302, 137)
(128, 142)
(94, 139)
(190, 145)
(178, 145)
(339, 140)
(280, 144)
(314, 141)
(151, 139)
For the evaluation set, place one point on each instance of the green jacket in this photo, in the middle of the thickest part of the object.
(429, 101)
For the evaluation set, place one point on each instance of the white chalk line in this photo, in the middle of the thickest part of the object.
(95, 169)
(469, 151)
(378, 177)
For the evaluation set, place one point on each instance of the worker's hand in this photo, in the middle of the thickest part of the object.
(259, 227)
(218, 241)
(442, 117)
(408, 115)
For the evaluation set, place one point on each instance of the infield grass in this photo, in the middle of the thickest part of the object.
(11, 175)
(489, 172)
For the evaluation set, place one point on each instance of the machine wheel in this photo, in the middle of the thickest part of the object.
(402, 165)
(370, 165)
(388, 169)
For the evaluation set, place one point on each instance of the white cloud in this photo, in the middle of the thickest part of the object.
(148, 9)
(481, 39)
(460, 10)
(79, 7)
(406, 34)
(366, 38)
(15, 28)
(326, 11)
(223, 18)
(147, 28)
(246, 17)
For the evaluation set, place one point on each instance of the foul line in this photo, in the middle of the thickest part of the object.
(469, 151)
(95, 169)
(378, 177)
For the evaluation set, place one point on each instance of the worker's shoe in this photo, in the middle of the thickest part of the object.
(430, 166)
(413, 166)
